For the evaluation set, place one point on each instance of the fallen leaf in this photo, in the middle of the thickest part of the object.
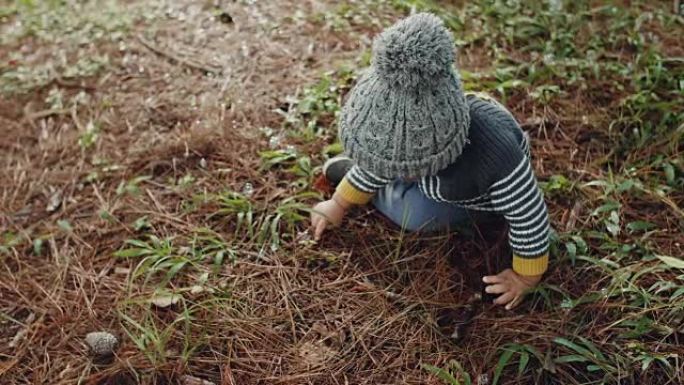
(165, 300)
(54, 202)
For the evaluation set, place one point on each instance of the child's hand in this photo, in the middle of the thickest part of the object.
(324, 214)
(511, 286)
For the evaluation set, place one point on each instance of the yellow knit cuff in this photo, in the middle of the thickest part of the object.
(353, 195)
(530, 266)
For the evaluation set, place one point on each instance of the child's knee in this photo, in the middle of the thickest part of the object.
(422, 224)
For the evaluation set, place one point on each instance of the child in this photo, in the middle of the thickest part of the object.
(430, 157)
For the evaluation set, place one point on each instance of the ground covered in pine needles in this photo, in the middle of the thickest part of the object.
(159, 158)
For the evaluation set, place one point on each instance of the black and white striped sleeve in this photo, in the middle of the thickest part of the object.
(359, 186)
(518, 198)
(364, 180)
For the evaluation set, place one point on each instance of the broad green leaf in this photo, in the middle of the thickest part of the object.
(133, 252)
(503, 361)
(333, 149)
(669, 173)
(218, 260)
(581, 243)
(140, 223)
(138, 243)
(639, 226)
(572, 249)
(625, 185)
(646, 362)
(570, 358)
(37, 246)
(175, 268)
(677, 293)
(65, 225)
(607, 207)
(613, 228)
(672, 261)
(598, 182)
(567, 343)
(522, 364)
(441, 374)
(593, 348)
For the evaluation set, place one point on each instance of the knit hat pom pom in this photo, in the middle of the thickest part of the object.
(415, 50)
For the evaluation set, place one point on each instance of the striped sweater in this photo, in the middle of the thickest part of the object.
(492, 174)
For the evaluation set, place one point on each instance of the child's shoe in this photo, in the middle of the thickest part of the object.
(336, 168)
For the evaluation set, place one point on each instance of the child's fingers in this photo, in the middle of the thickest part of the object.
(492, 279)
(515, 302)
(504, 298)
(314, 220)
(319, 228)
(496, 289)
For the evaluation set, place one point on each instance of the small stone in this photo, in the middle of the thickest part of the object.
(101, 343)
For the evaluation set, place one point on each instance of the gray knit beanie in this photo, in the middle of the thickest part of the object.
(407, 115)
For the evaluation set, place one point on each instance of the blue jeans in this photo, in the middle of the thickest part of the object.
(405, 205)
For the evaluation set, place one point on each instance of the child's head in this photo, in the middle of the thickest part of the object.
(407, 115)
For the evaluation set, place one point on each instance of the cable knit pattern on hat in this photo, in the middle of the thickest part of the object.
(407, 116)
